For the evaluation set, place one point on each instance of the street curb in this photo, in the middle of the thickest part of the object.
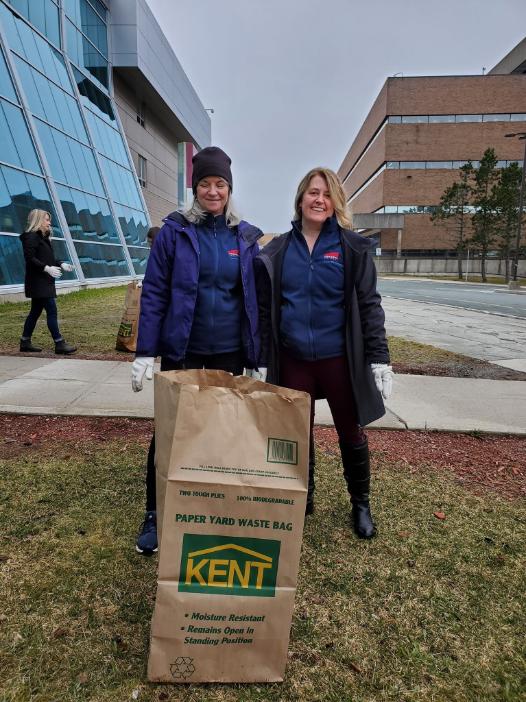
(109, 414)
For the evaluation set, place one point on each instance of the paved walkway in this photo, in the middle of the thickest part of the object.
(489, 337)
(32, 385)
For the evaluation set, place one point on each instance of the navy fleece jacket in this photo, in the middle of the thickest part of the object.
(312, 295)
(216, 326)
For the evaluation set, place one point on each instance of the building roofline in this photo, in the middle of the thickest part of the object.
(142, 53)
(513, 63)
(463, 75)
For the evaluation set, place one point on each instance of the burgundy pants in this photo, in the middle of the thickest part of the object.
(329, 378)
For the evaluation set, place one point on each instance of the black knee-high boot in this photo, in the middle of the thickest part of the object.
(309, 509)
(356, 471)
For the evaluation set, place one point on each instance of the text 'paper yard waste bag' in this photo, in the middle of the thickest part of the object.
(232, 473)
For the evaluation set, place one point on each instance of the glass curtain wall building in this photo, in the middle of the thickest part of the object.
(62, 147)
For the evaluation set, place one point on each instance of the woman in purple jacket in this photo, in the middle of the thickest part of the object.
(198, 303)
(322, 326)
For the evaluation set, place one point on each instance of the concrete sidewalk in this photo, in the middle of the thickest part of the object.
(32, 385)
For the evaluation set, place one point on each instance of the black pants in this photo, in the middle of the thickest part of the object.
(38, 304)
(230, 362)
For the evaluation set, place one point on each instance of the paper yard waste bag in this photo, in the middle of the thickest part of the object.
(232, 473)
(127, 334)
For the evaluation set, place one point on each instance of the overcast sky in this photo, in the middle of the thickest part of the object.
(291, 81)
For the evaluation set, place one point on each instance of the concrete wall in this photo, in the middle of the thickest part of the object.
(440, 266)
(156, 144)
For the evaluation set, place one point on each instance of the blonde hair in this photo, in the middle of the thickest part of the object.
(195, 213)
(35, 220)
(335, 187)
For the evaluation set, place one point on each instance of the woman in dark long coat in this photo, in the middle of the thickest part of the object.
(42, 269)
(322, 326)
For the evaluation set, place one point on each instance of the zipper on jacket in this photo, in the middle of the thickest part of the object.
(216, 270)
(311, 269)
(250, 340)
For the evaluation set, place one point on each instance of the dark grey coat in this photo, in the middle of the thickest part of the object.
(38, 253)
(366, 341)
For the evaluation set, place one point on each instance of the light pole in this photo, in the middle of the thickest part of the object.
(521, 135)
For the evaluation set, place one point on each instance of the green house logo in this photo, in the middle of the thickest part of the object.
(125, 329)
(228, 565)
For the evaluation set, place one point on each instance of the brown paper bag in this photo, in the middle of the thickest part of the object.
(127, 334)
(232, 473)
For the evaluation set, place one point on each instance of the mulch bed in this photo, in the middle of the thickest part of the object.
(453, 369)
(480, 462)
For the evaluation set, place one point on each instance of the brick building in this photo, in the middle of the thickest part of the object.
(419, 131)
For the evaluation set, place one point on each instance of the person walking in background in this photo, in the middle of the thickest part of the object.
(198, 305)
(322, 327)
(151, 234)
(150, 238)
(42, 269)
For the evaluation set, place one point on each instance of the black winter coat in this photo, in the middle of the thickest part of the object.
(38, 253)
(365, 338)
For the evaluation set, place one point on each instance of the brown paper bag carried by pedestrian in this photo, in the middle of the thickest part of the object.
(232, 473)
(127, 334)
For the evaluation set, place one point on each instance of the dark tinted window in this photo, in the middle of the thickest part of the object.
(101, 261)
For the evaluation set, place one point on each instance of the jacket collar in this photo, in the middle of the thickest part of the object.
(246, 231)
(330, 225)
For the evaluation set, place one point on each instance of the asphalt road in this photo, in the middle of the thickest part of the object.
(468, 296)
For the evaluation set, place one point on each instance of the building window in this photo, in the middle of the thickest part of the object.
(141, 114)
(468, 118)
(433, 119)
(415, 119)
(436, 119)
(141, 171)
(496, 117)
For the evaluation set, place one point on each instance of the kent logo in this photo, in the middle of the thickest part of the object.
(332, 256)
(229, 565)
(233, 253)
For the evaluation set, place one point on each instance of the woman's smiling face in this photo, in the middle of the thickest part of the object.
(316, 203)
(212, 194)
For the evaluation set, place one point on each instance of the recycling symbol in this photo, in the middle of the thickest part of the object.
(182, 668)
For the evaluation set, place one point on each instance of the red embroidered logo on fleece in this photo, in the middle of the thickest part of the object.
(332, 256)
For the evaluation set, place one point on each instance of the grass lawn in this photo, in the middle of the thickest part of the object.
(90, 319)
(431, 610)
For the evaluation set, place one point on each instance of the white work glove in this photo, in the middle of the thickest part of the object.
(53, 271)
(383, 377)
(67, 267)
(141, 366)
(260, 374)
